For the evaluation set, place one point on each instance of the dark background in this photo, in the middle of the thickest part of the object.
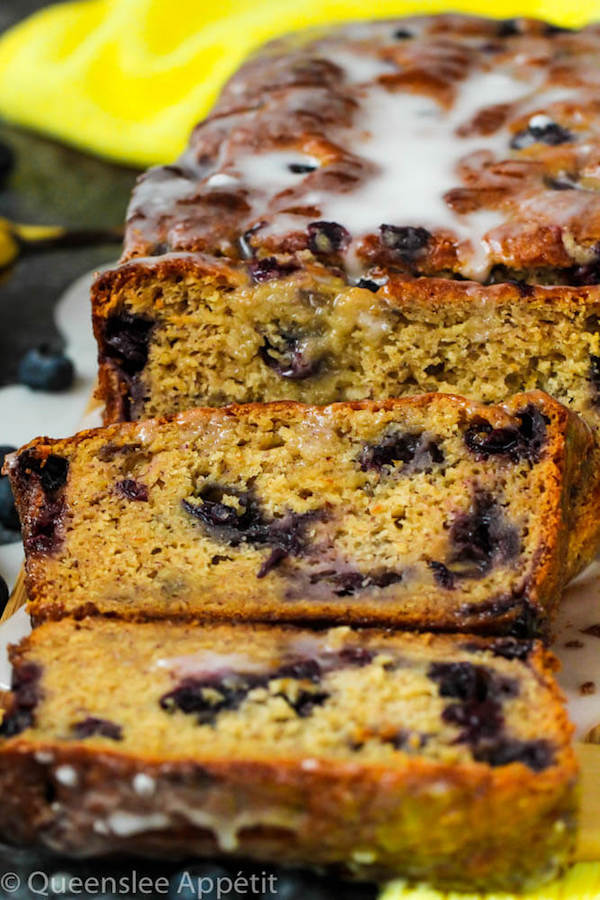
(53, 185)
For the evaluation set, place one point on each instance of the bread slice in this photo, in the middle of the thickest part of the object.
(430, 512)
(274, 259)
(184, 331)
(442, 758)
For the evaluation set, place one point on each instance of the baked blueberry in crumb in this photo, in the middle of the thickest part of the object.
(406, 240)
(45, 369)
(132, 490)
(541, 130)
(25, 688)
(246, 522)
(506, 647)
(480, 538)
(348, 583)
(126, 339)
(523, 442)
(417, 452)
(467, 681)
(535, 754)
(305, 702)
(52, 471)
(442, 574)
(327, 237)
(290, 356)
(205, 699)
(402, 34)
(269, 268)
(94, 727)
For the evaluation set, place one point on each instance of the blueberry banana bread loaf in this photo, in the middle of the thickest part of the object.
(274, 260)
(443, 758)
(428, 512)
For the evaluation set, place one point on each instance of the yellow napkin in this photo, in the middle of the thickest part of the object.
(129, 78)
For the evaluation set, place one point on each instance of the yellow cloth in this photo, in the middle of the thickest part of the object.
(582, 882)
(129, 78)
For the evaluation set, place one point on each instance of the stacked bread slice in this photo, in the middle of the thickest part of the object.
(317, 427)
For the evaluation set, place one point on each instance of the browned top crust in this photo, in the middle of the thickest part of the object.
(433, 145)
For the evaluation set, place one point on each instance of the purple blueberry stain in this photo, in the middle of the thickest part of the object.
(506, 647)
(206, 698)
(26, 694)
(268, 268)
(247, 523)
(415, 451)
(479, 539)
(50, 474)
(130, 489)
(95, 727)
(290, 356)
(480, 693)
(535, 754)
(525, 441)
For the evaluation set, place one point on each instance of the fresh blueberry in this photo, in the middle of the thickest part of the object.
(44, 369)
(4, 595)
(9, 520)
(7, 162)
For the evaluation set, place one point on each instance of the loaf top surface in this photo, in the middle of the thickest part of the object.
(433, 145)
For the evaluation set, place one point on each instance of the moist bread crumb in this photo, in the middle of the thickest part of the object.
(372, 753)
(430, 512)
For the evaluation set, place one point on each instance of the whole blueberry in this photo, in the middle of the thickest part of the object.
(7, 162)
(8, 514)
(4, 595)
(44, 369)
